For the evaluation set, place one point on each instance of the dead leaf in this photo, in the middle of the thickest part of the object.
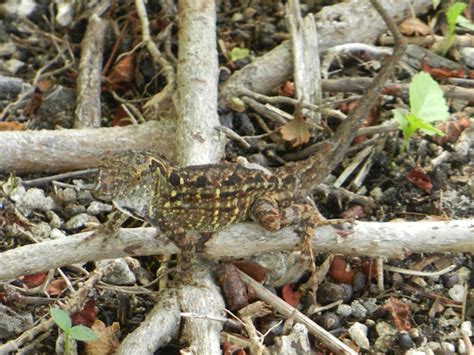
(235, 291)
(12, 126)
(340, 271)
(413, 26)
(55, 287)
(451, 129)
(33, 280)
(86, 316)
(296, 131)
(123, 71)
(420, 179)
(286, 89)
(400, 313)
(290, 296)
(107, 342)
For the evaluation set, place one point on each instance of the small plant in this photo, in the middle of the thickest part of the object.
(452, 17)
(427, 104)
(78, 332)
(239, 53)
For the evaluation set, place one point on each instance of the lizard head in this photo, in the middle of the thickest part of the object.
(130, 180)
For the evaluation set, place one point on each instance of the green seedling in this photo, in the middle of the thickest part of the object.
(78, 332)
(452, 17)
(239, 53)
(427, 104)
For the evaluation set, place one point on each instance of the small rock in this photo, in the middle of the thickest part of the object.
(464, 274)
(344, 310)
(54, 220)
(34, 199)
(376, 193)
(41, 231)
(384, 329)
(67, 195)
(462, 347)
(466, 328)
(450, 279)
(358, 310)
(405, 341)
(371, 305)
(328, 321)
(419, 281)
(359, 282)
(419, 352)
(433, 345)
(7, 49)
(13, 65)
(397, 280)
(56, 234)
(457, 293)
(116, 272)
(72, 209)
(238, 16)
(17, 193)
(448, 347)
(467, 54)
(97, 207)
(384, 344)
(358, 333)
(330, 292)
(348, 292)
(79, 221)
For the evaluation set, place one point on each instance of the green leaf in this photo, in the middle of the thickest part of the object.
(239, 53)
(426, 99)
(401, 118)
(426, 127)
(435, 3)
(61, 318)
(79, 332)
(461, 21)
(453, 12)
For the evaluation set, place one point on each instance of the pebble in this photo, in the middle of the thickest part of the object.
(457, 293)
(17, 193)
(376, 193)
(7, 49)
(13, 65)
(462, 347)
(54, 220)
(67, 195)
(56, 234)
(97, 207)
(466, 328)
(405, 341)
(330, 292)
(397, 280)
(384, 329)
(328, 321)
(358, 333)
(448, 346)
(41, 231)
(371, 305)
(116, 272)
(358, 310)
(384, 344)
(451, 279)
(344, 310)
(34, 199)
(359, 282)
(72, 209)
(79, 221)
(419, 352)
(419, 281)
(467, 54)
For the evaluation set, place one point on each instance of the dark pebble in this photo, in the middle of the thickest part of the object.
(405, 341)
(349, 292)
(449, 280)
(328, 321)
(359, 281)
(330, 292)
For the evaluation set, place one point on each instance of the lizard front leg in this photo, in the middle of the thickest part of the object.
(266, 212)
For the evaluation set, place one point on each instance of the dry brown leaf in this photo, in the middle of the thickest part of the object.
(122, 72)
(12, 126)
(107, 342)
(413, 26)
(296, 131)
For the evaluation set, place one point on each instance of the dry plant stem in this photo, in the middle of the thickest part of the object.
(286, 310)
(305, 52)
(197, 77)
(73, 149)
(362, 84)
(167, 67)
(419, 273)
(358, 22)
(373, 239)
(88, 109)
(346, 132)
(146, 338)
(74, 304)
